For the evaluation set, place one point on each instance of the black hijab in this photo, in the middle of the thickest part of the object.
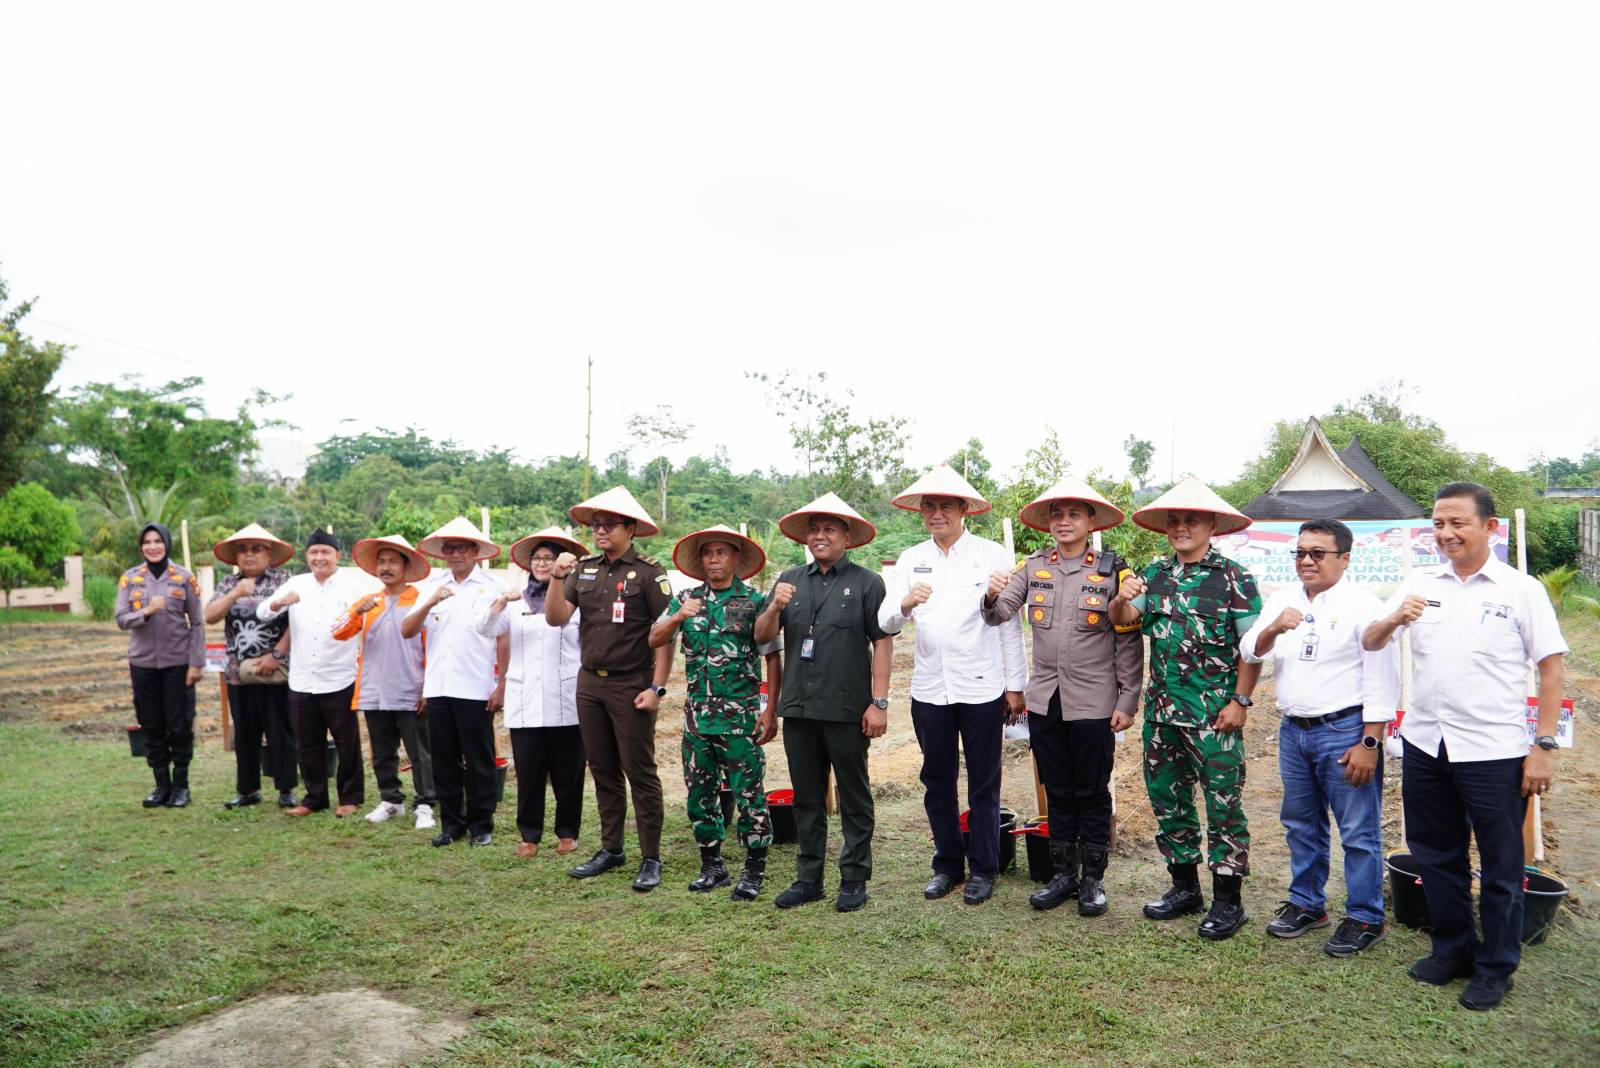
(158, 568)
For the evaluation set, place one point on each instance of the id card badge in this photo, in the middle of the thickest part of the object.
(618, 608)
(808, 647)
(1308, 647)
(1433, 613)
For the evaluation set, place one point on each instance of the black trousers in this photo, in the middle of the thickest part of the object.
(461, 733)
(258, 711)
(1445, 803)
(553, 755)
(945, 732)
(163, 703)
(385, 730)
(1075, 759)
(813, 746)
(317, 715)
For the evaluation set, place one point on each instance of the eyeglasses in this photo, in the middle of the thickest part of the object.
(604, 524)
(543, 558)
(251, 549)
(1315, 554)
(453, 547)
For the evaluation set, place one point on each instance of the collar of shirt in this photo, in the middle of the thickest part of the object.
(814, 568)
(1493, 570)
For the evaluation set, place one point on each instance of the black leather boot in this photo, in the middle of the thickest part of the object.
(179, 798)
(1064, 884)
(1092, 887)
(158, 797)
(713, 872)
(1182, 899)
(754, 874)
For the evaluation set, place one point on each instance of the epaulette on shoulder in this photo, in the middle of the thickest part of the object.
(591, 558)
(648, 560)
(1022, 563)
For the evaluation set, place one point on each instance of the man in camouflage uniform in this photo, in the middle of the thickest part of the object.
(1195, 606)
(724, 725)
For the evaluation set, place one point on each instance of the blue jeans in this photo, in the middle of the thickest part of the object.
(1313, 783)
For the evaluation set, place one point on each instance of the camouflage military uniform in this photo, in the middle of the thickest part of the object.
(723, 666)
(1194, 615)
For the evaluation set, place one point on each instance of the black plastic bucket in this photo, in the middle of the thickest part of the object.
(136, 742)
(500, 765)
(1036, 833)
(1008, 841)
(780, 807)
(1541, 900)
(1406, 897)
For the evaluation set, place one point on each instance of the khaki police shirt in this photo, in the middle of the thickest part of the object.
(1075, 648)
(595, 586)
(172, 637)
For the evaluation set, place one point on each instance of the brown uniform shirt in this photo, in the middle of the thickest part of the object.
(640, 583)
(1075, 648)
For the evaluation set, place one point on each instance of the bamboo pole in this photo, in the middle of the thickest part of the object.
(183, 529)
(1533, 817)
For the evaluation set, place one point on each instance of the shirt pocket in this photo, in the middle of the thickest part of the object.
(1497, 636)
(1207, 622)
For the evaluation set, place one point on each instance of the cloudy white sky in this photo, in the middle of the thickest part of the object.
(1183, 221)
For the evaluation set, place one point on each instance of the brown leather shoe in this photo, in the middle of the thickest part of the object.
(301, 810)
(566, 845)
(346, 810)
(528, 850)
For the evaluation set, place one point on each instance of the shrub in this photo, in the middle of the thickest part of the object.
(101, 593)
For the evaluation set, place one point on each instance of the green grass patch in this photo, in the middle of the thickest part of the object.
(39, 615)
(116, 922)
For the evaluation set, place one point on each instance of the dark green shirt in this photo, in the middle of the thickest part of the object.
(839, 612)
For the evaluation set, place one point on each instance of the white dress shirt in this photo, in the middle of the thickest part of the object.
(1320, 666)
(461, 658)
(542, 678)
(959, 659)
(318, 662)
(1470, 653)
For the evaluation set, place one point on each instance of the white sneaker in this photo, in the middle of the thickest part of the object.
(386, 810)
(425, 818)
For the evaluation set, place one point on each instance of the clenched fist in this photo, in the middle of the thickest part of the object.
(285, 601)
(689, 608)
(563, 566)
(441, 593)
(366, 604)
(998, 581)
(1410, 609)
(919, 595)
(782, 594)
(245, 588)
(157, 603)
(1288, 620)
(1131, 587)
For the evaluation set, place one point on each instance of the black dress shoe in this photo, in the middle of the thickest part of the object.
(286, 799)
(979, 889)
(241, 800)
(602, 861)
(483, 839)
(1225, 918)
(800, 893)
(940, 885)
(444, 838)
(852, 895)
(1437, 971)
(1485, 992)
(1178, 901)
(649, 876)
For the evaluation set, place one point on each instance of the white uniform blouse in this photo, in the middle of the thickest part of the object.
(542, 679)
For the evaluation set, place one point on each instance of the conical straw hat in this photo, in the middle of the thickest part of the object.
(522, 548)
(795, 523)
(686, 554)
(458, 529)
(1190, 495)
(942, 481)
(365, 554)
(618, 501)
(1036, 513)
(226, 549)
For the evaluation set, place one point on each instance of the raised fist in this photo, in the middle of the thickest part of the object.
(689, 608)
(998, 581)
(1411, 609)
(1131, 587)
(563, 566)
(1288, 620)
(245, 588)
(285, 601)
(157, 603)
(442, 593)
(919, 595)
(782, 594)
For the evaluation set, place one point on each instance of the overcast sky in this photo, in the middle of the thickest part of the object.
(1184, 220)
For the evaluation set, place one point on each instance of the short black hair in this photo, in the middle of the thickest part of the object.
(1342, 538)
(1481, 497)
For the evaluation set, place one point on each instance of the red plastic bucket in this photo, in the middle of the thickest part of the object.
(1037, 833)
(780, 809)
(1008, 843)
(1406, 897)
(136, 742)
(500, 765)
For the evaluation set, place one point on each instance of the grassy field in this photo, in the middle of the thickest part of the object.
(116, 923)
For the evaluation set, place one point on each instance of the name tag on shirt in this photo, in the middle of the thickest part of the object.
(618, 608)
(808, 648)
(923, 570)
(1308, 647)
(1434, 613)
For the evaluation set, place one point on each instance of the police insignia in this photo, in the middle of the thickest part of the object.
(1038, 598)
(666, 587)
(1038, 615)
(1044, 574)
(124, 583)
(1095, 578)
(633, 574)
(1092, 601)
(1092, 618)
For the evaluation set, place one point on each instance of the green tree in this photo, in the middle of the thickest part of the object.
(26, 369)
(1140, 452)
(654, 431)
(39, 529)
(409, 449)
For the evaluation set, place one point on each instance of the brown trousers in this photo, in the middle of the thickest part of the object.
(620, 741)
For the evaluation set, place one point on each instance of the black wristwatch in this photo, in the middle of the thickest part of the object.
(1546, 742)
(1242, 700)
(1369, 741)
(881, 703)
(661, 691)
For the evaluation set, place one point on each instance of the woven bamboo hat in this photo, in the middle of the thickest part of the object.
(1036, 513)
(795, 523)
(686, 554)
(522, 548)
(618, 501)
(1191, 495)
(365, 554)
(942, 481)
(458, 529)
(227, 550)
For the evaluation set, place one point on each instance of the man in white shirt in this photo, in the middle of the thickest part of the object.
(1475, 625)
(463, 681)
(322, 675)
(967, 678)
(1336, 698)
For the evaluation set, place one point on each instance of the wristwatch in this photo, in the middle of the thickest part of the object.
(881, 703)
(661, 691)
(1242, 700)
(1369, 741)
(1546, 742)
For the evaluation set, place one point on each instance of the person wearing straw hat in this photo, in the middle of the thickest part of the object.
(836, 694)
(724, 726)
(1477, 627)
(388, 691)
(967, 678)
(541, 704)
(256, 669)
(1085, 682)
(618, 593)
(322, 675)
(459, 680)
(1195, 606)
(158, 604)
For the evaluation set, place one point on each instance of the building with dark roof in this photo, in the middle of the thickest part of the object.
(1321, 483)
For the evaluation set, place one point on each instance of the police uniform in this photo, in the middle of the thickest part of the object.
(617, 602)
(162, 648)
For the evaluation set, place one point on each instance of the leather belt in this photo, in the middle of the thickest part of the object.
(606, 673)
(1307, 722)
